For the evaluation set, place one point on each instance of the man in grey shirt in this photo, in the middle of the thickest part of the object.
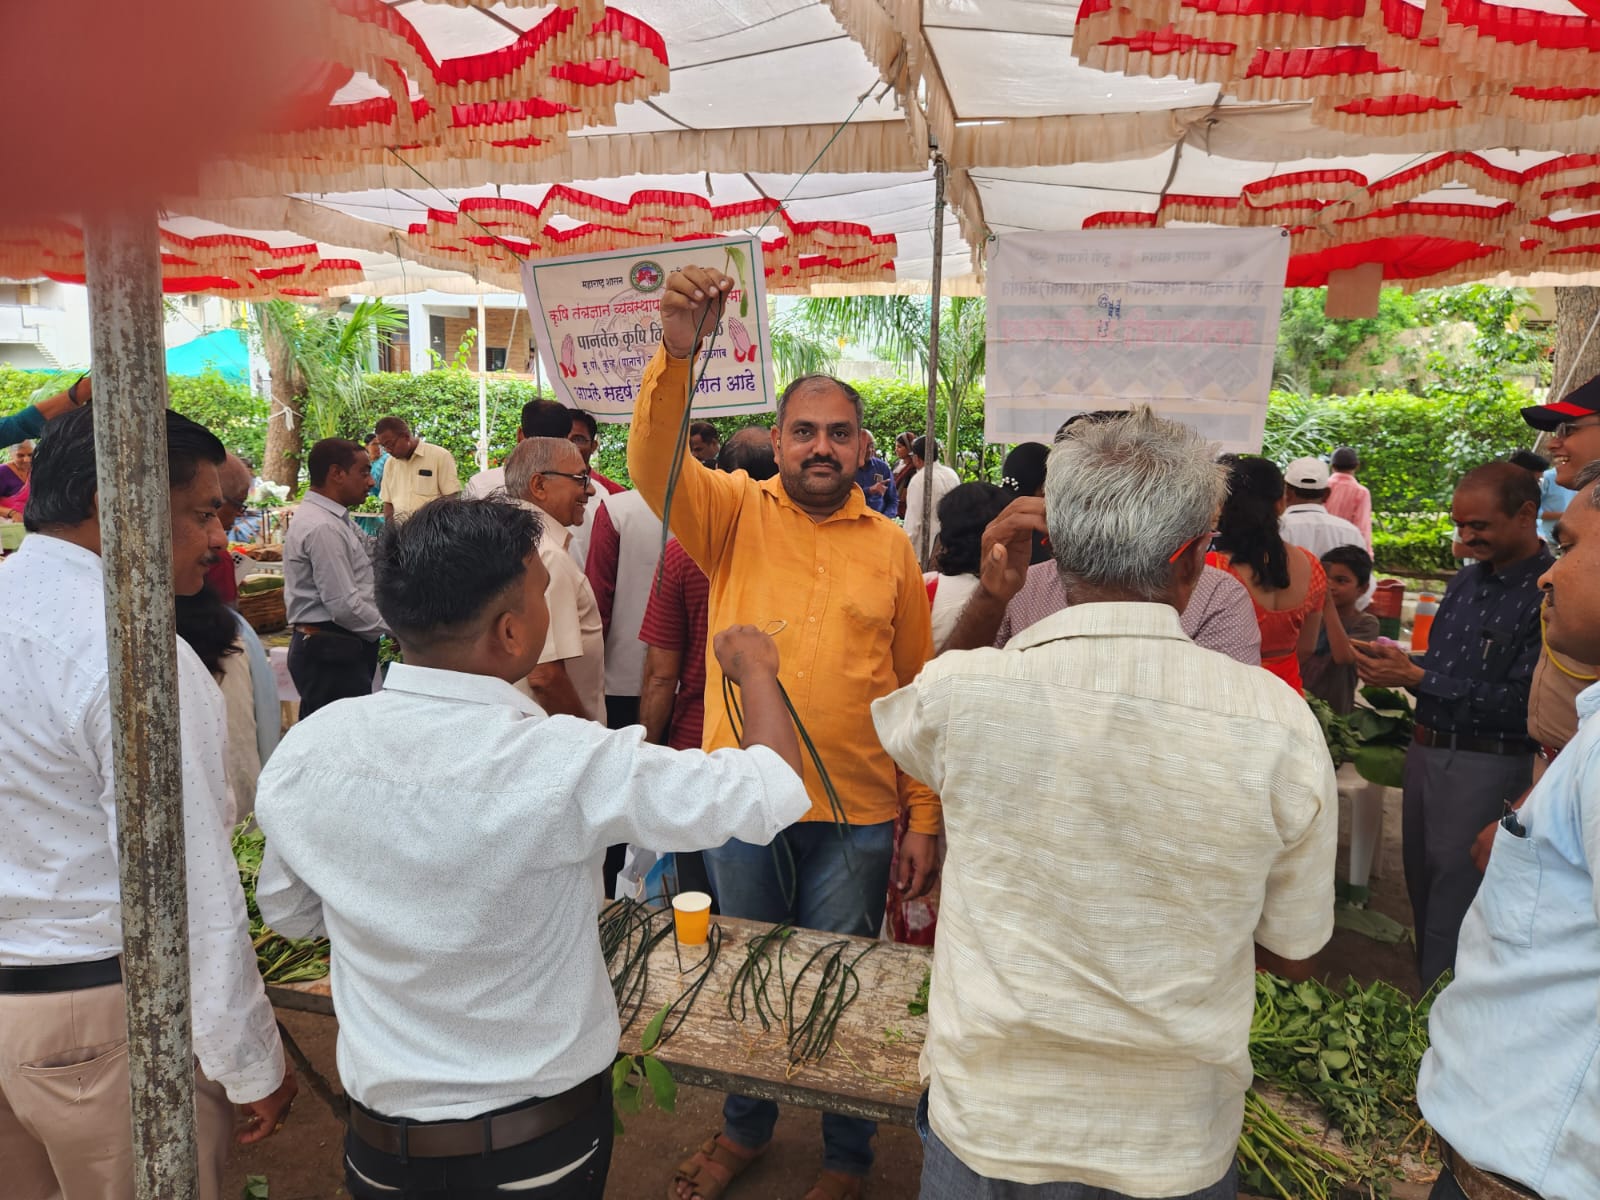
(327, 577)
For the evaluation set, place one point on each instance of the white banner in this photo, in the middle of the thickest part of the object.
(1184, 320)
(597, 320)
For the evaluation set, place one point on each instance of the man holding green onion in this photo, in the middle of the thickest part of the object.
(452, 866)
(839, 587)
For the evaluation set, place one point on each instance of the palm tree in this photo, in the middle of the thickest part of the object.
(799, 349)
(318, 361)
(897, 327)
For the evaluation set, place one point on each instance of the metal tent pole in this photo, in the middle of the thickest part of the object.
(130, 377)
(925, 551)
(483, 390)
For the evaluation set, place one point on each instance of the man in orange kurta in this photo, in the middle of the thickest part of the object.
(802, 556)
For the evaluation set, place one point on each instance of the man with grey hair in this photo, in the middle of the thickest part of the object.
(548, 476)
(236, 478)
(1169, 815)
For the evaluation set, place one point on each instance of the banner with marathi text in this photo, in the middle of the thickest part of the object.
(1184, 320)
(597, 321)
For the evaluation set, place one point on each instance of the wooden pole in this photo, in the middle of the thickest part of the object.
(929, 458)
(123, 256)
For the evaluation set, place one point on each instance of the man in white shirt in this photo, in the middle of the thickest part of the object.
(944, 479)
(65, 1126)
(548, 475)
(624, 548)
(540, 418)
(1169, 815)
(417, 472)
(1307, 521)
(450, 864)
(327, 581)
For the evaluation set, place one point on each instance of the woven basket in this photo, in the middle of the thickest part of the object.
(264, 610)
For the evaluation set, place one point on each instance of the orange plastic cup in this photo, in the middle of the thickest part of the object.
(691, 915)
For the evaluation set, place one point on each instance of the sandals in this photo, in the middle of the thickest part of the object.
(836, 1185)
(712, 1168)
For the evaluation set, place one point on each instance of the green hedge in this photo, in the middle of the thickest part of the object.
(1414, 447)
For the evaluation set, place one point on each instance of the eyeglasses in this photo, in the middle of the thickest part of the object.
(1209, 536)
(1567, 428)
(581, 479)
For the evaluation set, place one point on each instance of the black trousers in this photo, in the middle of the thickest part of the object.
(621, 712)
(330, 665)
(372, 1174)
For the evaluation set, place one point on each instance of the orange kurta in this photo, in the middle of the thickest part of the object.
(848, 590)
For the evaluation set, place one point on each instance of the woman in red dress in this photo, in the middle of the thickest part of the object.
(1286, 582)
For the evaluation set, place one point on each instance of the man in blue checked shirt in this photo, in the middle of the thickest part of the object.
(1512, 1080)
(1471, 753)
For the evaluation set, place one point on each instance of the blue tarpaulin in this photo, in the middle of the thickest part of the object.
(223, 351)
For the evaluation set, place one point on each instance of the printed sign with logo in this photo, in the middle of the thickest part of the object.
(1184, 320)
(597, 322)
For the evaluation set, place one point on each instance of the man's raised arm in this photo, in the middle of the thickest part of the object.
(706, 503)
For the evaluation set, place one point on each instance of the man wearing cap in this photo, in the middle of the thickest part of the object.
(1307, 521)
(1573, 426)
(1346, 497)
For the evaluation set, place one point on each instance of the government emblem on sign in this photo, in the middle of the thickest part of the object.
(646, 276)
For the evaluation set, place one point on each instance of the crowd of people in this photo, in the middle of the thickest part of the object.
(1064, 741)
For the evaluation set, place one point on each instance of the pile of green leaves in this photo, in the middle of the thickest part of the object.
(1354, 1053)
(1336, 731)
(1382, 729)
(1374, 736)
(279, 959)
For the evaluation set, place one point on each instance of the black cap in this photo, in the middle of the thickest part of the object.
(1582, 401)
(1345, 459)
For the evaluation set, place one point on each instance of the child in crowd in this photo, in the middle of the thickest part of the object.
(1330, 675)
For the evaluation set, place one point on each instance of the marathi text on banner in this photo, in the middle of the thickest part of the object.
(597, 323)
(1185, 320)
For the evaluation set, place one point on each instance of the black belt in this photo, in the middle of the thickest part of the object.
(315, 628)
(477, 1135)
(60, 977)
(1473, 743)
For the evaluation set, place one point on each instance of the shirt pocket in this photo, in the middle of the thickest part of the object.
(1509, 896)
(868, 604)
(1499, 645)
(425, 483)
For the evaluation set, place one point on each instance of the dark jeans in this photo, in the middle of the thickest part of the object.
(803, 878)
(373, 1175)
(1450, 795)
(621, 712)
(946, 1177)
(330, 665)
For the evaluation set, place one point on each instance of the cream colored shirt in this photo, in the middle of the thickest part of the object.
(577, 635)
(1127, 815)
(409, 483)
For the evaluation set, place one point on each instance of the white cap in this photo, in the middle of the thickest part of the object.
(1307, 474)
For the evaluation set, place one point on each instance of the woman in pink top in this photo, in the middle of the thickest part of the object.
(14, 477)
(1286, 583)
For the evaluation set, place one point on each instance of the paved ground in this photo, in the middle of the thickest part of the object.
(303, 1162)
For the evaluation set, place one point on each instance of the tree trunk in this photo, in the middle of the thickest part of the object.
(953, 406)
(1575, 362)
(281, 460)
